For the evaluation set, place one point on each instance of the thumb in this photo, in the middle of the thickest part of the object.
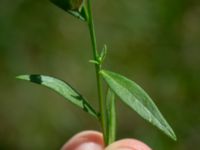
(86, 140)
(128, 144)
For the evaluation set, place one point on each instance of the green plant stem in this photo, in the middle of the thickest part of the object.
(102, 105)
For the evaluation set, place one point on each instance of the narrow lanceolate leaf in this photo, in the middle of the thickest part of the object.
(137, 99)
(74, 7)
(61, 88)
(111, 114)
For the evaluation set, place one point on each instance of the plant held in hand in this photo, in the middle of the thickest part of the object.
(128, 91)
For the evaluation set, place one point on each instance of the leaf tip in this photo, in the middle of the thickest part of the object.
(169, 132)
(173, 136)
(22, 77)
(32, 78)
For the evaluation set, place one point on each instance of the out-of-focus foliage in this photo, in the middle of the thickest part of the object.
(155, 43)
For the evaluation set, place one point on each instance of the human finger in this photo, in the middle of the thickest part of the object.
(86, 140)
(128, 144)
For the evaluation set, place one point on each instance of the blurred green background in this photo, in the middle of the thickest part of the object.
(155, 43)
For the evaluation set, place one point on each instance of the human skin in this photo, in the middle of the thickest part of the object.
(93, 140)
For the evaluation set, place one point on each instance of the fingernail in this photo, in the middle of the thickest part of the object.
(89, 146)
(135, 147)
(124, 149)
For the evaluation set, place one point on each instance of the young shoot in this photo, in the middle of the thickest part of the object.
(129, 92)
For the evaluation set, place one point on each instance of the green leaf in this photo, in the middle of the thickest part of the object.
(76, 8)
(137, 99)
(63, 89)
(103, 54)
(111, 114)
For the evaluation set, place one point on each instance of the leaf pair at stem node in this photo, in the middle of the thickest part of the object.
(128, 91)
(101, 57)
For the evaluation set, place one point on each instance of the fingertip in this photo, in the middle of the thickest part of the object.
(128, 144)
(86, 140)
